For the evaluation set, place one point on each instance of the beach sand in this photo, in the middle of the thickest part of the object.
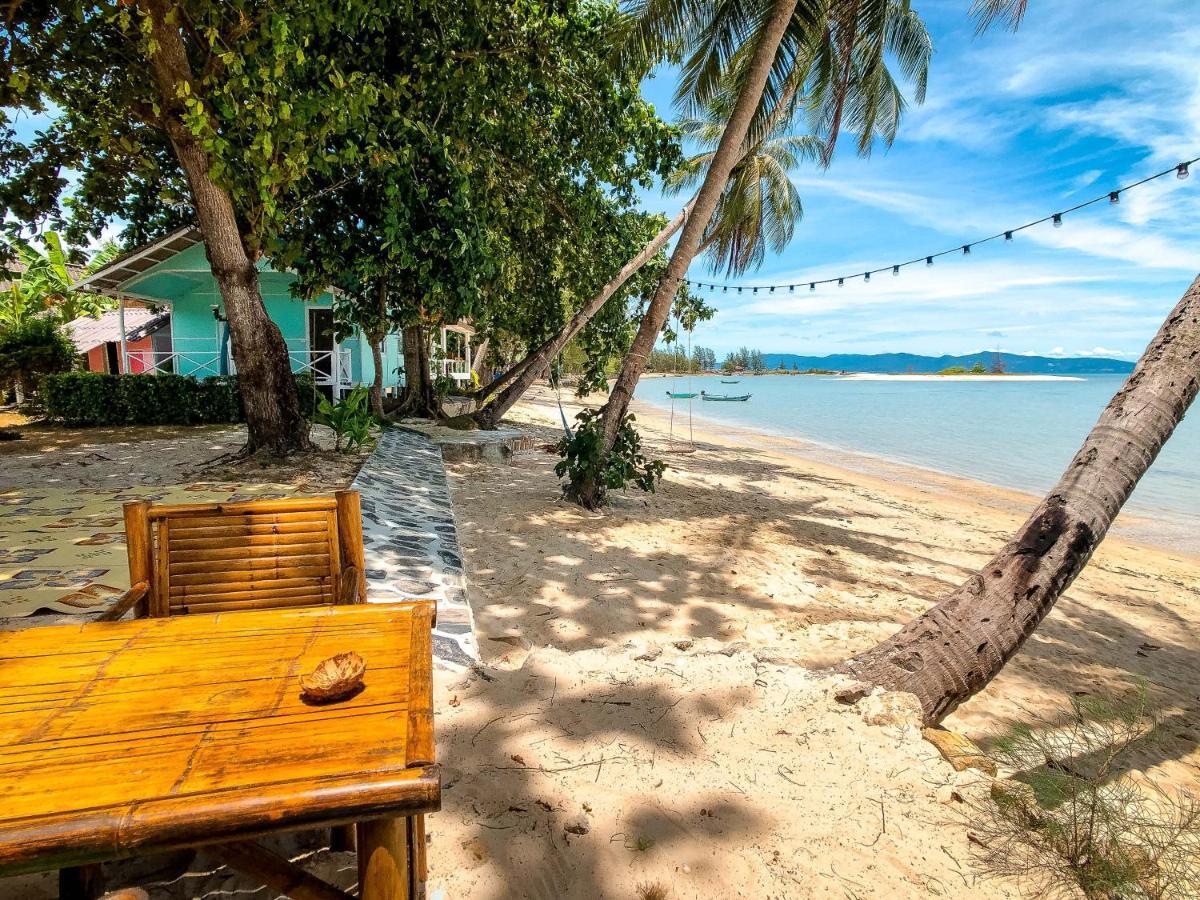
(718, 763)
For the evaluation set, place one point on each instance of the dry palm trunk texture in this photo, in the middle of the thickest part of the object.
(273, 418)
(728, 154)
(953, 650)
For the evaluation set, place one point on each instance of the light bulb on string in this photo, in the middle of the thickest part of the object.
(866, 276)
(772, 290)
(1181, 171)
(966, 249)
(1008, 236)
(895, 271)
(756, 290)
(841, 282)
(812, 285)
(791, 289)
(1114, 197)
(929, 261)
(1057, 220)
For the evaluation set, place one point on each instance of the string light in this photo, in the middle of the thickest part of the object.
(1181, 171)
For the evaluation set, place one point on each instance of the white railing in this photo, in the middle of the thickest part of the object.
(202, 364)
(458, 369)
(328, 367)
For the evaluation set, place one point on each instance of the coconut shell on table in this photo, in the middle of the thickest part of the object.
(335, 678)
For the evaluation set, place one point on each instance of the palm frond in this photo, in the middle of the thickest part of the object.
(1008, 12)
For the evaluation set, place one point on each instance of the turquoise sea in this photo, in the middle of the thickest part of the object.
(1015, 434)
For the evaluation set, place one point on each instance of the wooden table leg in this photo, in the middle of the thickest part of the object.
(416, 857)
(81, 882)
(383, 860)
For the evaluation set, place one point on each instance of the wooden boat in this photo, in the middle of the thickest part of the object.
(682, 395)
(723, 398)
(729, 381)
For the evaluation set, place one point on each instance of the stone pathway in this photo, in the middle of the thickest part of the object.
(410, 540)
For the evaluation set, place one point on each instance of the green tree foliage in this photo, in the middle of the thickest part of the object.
(31, 349)
(42, 280)
(467, 211)
(216, 111)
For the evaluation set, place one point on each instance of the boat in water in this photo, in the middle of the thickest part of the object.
(729, 381)
(682, 395)
(723, 398)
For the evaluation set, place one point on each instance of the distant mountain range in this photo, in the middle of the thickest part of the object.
(900, 363)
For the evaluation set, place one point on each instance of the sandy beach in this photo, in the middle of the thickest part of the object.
(653, 709)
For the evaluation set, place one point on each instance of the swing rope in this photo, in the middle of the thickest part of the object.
(556, 383)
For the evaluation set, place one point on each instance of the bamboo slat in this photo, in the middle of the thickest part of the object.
(131, 737)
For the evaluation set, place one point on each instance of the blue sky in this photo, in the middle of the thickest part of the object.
(1085, 97)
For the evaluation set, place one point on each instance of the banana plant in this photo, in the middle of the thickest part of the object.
(47, 284)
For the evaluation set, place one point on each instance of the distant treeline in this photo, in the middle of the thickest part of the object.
(665, 359)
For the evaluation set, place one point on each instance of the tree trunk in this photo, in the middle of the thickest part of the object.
(526, 372)
(376, 339)
(728, 154)
(376, 391)
(419, 398)
(953, 650)
(273, 418)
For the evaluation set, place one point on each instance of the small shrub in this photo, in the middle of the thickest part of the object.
(31, 349)
(1072, 819)
(350, 418)
(653, 890)
(592, 473)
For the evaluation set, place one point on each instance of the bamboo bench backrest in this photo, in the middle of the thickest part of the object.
(214, 557)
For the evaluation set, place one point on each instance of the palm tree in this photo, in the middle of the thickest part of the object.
(859, 94)
(951, 651)
(839, 49)
(760, 206)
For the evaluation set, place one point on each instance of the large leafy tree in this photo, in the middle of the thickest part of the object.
(522, 143)
(213, 111)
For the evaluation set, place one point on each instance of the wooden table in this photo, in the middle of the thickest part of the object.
(118, 739)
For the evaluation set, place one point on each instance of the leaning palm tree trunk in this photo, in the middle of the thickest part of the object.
(953, 650)
(518, 379)
(727, 155)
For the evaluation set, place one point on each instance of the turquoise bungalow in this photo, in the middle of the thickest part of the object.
(173, 273)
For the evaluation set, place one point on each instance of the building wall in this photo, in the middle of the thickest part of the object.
(97, 357)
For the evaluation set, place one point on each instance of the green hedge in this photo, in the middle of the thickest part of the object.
(92, 398)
